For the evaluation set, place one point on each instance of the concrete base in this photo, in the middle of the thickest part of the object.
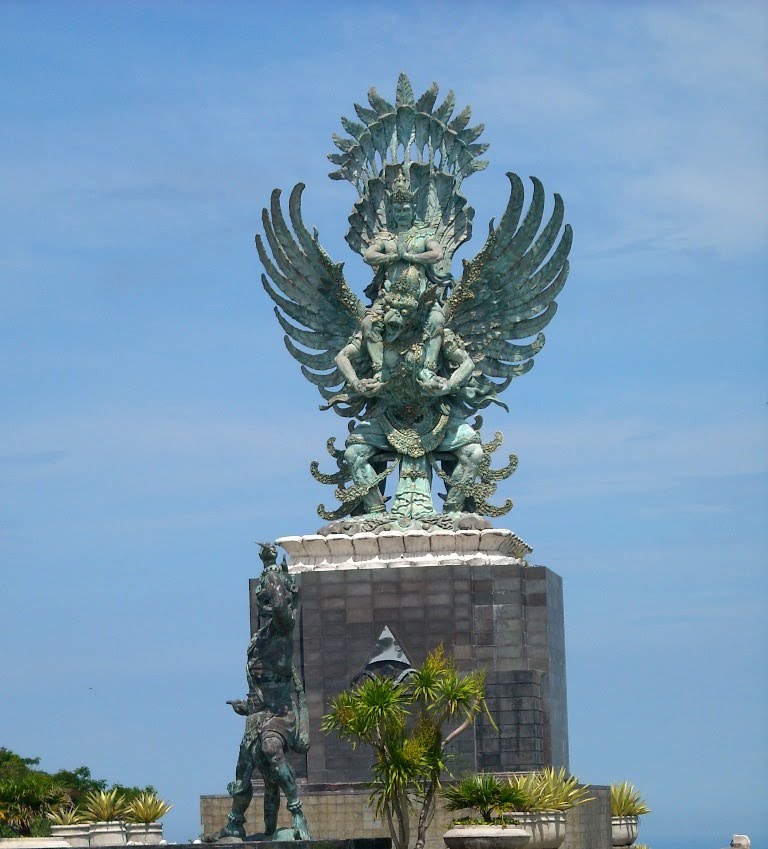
(471, 591)
(343, 809)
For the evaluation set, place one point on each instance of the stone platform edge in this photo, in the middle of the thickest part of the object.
(322, 843)
(403, 548)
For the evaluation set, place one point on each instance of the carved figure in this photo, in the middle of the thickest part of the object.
(275, 710)
(428, 351)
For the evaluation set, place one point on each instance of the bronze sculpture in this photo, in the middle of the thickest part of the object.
(428, 351)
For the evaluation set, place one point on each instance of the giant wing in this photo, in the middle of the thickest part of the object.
(315, 307)
(507, 292)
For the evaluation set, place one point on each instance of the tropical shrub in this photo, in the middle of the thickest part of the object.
(403, 723)
(25, 801)
(626, 801)
(147, 808)
(549, 789)
(66, 815)
(486, 794)
(105, 805)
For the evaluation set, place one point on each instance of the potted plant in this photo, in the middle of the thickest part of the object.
(69, 823)
(105, 810)
(626, 806)
(545, 796)
(488, 795)
(142, 818)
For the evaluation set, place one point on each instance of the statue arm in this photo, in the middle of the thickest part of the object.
(344, 363)
(375, 254)
(433, 252)
(280, 605)
(458, 357)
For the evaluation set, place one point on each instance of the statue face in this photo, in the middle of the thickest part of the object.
(403, 213)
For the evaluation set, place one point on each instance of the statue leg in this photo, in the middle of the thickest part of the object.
(434, 337)
(357, 456)
(371, 327)
(281, 776)
(271, 791)
(241, 792)
(468, 459)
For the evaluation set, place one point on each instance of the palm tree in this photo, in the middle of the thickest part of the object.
(403, 723)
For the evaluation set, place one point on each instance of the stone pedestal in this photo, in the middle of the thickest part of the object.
(470, 590)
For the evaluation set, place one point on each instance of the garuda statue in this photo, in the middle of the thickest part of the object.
(426, 352)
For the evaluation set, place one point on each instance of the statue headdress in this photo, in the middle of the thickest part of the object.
(401, 190)
(410, 145)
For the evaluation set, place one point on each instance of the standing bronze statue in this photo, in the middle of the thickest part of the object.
(275, 710)
(428, 351)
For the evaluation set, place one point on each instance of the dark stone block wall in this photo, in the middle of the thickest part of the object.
(505, 618)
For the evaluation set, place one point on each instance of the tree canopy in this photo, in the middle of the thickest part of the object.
(28, 794)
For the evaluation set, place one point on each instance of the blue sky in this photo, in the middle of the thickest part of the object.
(152, 425)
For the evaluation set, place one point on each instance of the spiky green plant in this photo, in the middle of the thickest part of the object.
(67, 815)
(403, 724)
(487, 794)
(626, 801)
(564, 790)
(147, 808)
(549, 789)
(104, 805)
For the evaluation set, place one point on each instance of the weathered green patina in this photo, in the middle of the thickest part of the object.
(275, 710)
(428, 351)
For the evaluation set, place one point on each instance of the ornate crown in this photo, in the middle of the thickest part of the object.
(401, 190)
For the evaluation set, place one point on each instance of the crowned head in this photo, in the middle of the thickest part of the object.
(401, 198)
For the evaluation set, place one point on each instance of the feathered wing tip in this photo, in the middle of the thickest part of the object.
(314, 304)
(408, 130)
(508, 291)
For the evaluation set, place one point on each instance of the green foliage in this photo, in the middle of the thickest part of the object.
(484, 793)
(546, 790)
(79, 782)
(626, 801)
(25, 801)
(504, 822)
(549, 789)
(147, 808)
(30, 798)
(13, 765)
(403, 725)
(105, 805)
(66, 815)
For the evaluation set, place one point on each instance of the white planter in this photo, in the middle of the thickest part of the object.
(487, 837)
(75, 835)
(148, 833)
(109, 833)
(623, 831)
(547, 828)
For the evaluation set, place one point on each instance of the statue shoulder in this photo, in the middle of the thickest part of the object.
(426, 231)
